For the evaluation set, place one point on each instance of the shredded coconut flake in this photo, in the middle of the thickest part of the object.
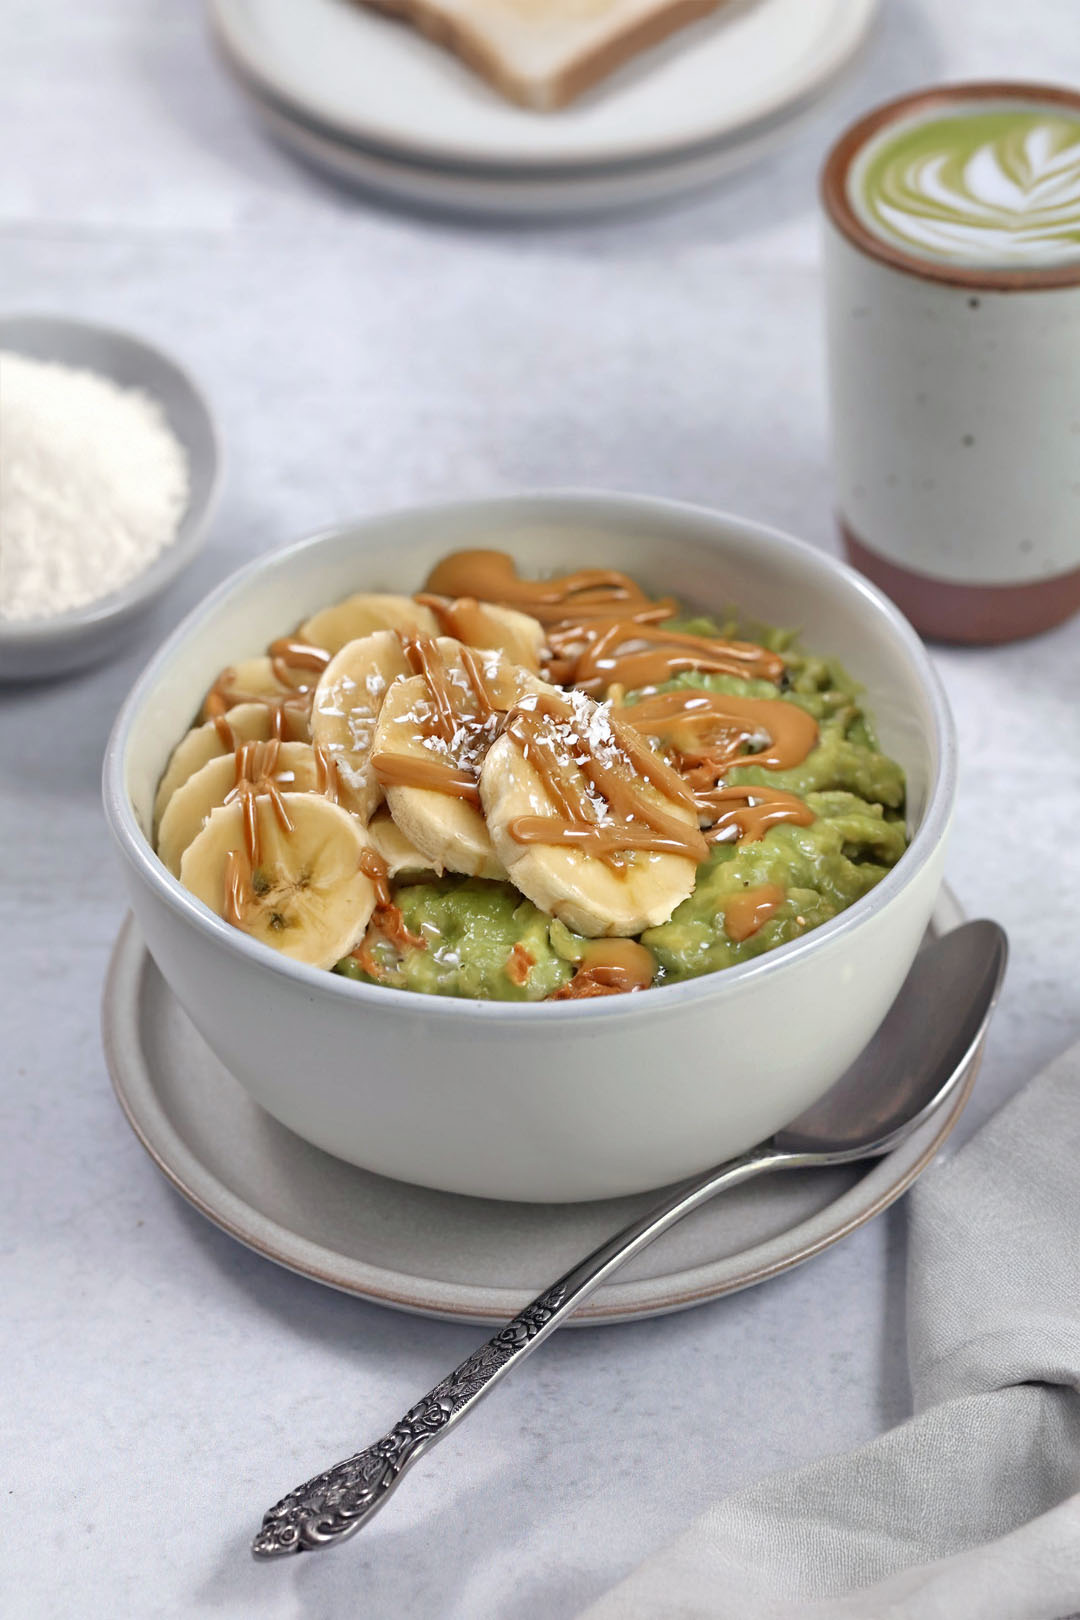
(93, 484)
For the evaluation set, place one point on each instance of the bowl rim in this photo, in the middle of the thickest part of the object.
(137, 850)
(194, 524)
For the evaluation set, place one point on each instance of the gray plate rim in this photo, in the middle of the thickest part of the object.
(756, 134)
(535, 197)
(679, 1289)
(270, 88)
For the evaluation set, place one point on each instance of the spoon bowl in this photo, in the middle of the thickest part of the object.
(896, 1083)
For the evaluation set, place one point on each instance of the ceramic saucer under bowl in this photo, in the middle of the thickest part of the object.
(439, 1254)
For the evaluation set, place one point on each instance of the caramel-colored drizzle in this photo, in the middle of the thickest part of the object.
(287, 654)
(461, 617)
(490, 576)
(226, 735)
(570, 639)
(745, 913)
(237, 889)
(602, 627)
(327, 780)
(238, 873)
(637, 654)
(403, 770)
(617, 816)
(388, 919)
(289, 717)
(746, 813)
(704, 734)
(449, 717)
(519, 964)
(609, 967)
(711, 728)
(257, 777)
(375, 869)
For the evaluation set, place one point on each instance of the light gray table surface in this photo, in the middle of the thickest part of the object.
(162, 1385)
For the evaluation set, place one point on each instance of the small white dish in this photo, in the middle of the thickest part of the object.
(437, 1254)
(32, 649)
(552, 1101)
(372, 80)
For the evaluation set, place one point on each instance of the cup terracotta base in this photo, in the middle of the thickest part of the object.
(945, 610)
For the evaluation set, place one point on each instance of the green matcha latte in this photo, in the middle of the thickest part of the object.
(987, 183)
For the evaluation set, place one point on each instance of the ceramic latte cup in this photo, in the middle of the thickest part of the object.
(953, 311)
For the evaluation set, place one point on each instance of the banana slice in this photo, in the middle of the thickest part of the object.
(359, 615)
(346, 708)
(434, 728)
(447, 829)
(302, 891)
(591, 825)
(482, 624)
(246, 722)
(397, 852)
(344, 711)
(289, 767)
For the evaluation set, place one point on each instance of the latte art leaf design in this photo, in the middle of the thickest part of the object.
(991, 188)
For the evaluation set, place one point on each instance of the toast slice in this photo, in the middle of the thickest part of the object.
(544, 53)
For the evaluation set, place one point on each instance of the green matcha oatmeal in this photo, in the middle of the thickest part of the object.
(517, 790)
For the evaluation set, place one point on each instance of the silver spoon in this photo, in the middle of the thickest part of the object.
(917, 1059)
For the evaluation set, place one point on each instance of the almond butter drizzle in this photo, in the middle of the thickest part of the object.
(609, 967)
(569, 640)
(391, 923)
(745, 913)
(327, 780)
(637, 654)
(519, 964)
(401, 770)
(598, 789)
(388, 919)
(374, 867)
(749, 820)
(236, 889)
(490, 576)
(450, 720)
(287, 716)
(286, 654)
(226, 735)
(706, 733)
(238, 876)
(224, 695)
(259, 773)
(602, 627)
(463, 618)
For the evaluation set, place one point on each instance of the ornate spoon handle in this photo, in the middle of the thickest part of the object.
(333, 1505)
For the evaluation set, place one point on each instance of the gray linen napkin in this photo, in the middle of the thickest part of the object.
(969, 1511)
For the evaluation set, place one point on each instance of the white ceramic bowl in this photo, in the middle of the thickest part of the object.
(567, 1100)
(31, 649)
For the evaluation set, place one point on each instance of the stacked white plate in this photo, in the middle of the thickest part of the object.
(379, 106)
